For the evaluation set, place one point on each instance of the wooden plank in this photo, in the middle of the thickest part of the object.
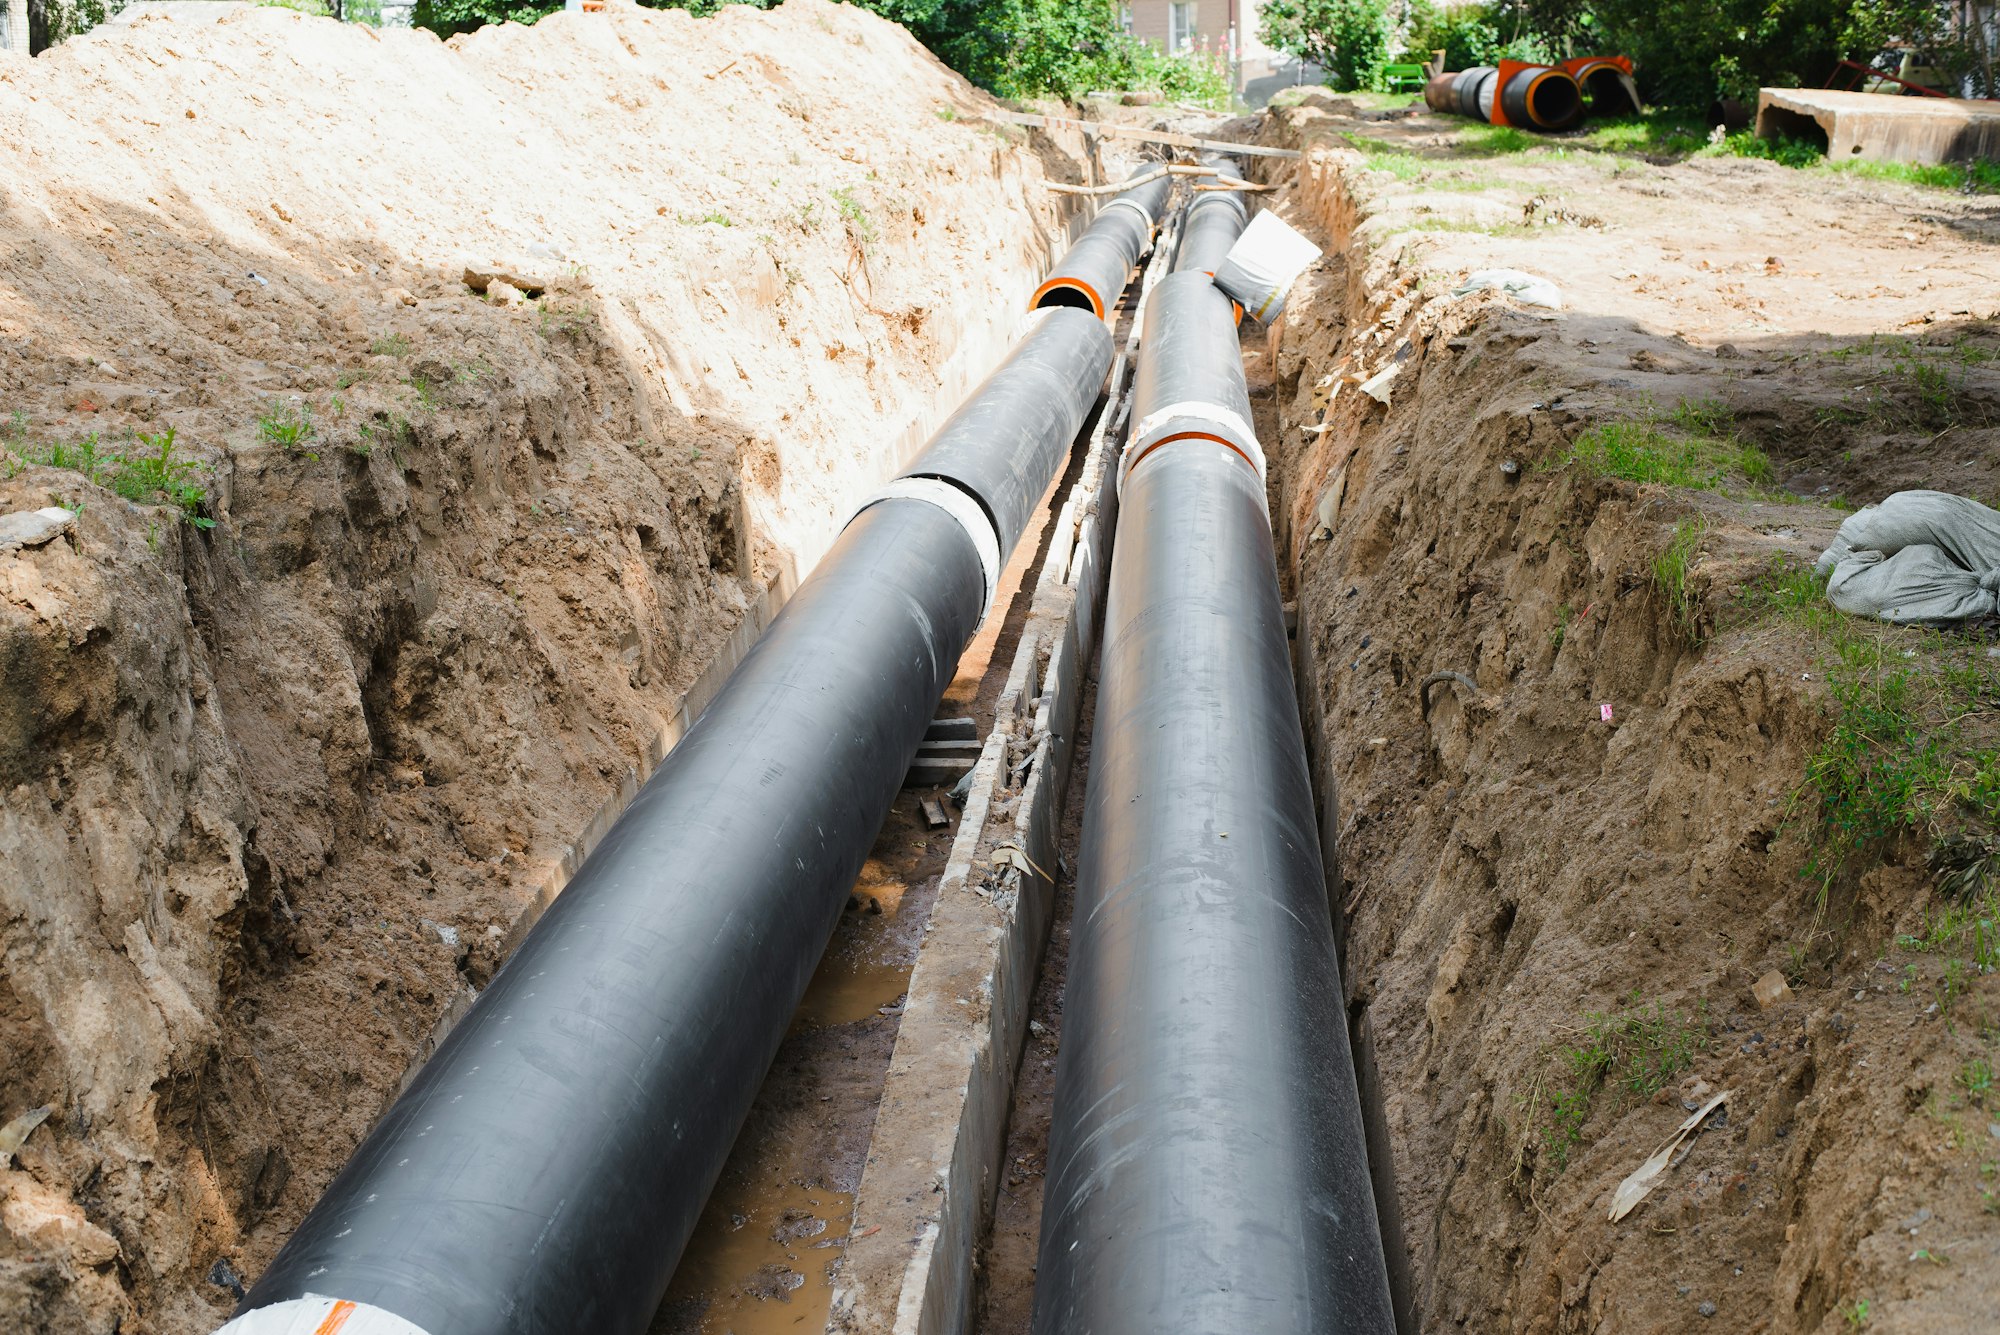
(1171, 138)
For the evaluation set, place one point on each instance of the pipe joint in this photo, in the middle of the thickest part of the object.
(1191, 420)
(962, 507)
(316, 1314)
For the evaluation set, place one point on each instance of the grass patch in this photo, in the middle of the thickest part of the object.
(1664, 132)
(391, 345)
(1694, 445)
(1634, 1051)
(715, 217)
(1492, 140)
(1921, 390)
(1672, 571)
(153, 473)
(1981, 177)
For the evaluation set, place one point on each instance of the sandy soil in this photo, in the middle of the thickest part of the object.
(276, 789)
(1606, 824)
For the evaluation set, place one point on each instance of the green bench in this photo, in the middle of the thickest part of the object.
(1404, 78)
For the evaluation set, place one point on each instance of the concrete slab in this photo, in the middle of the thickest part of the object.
(1881, 127)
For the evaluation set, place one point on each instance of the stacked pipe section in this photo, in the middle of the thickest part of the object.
(1207, 1170)
(542, 1174)
(1092, 274)
(1532, 97)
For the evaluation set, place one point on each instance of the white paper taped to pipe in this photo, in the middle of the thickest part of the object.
(959, 506)
(317, 1315)
(1263, 264)
(1235, 428)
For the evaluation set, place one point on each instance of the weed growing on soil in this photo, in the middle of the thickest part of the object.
(157, 474)
(1671, 576)
(391, 345)
(1637, 1049)
(1916, 392)
(858, 222)
(715, 216)
(1976, 1079)
(1701, 452)
(1855, 1314)
(286, 425)
(161, 473)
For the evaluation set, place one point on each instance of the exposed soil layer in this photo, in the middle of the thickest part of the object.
(1561, 877)
(277, 790)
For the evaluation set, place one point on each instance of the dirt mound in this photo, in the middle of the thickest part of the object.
(380, 583)
(1564, 868)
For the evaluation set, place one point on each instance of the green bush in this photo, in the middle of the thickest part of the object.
(1690, 52)
(1349, 39)
(1468, 35)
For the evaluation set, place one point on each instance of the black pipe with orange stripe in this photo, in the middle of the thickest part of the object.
(1207, 1168)
(1095, 270)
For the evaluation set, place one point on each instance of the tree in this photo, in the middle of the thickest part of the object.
(1349, 39)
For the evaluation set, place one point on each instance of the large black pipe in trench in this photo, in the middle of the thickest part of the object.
(545, 1169)
(1215, 219)
(1207, 1170)
(1094, 271)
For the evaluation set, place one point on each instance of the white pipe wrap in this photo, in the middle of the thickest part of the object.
(959, 506)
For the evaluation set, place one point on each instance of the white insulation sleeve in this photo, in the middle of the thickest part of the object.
(1237, 431)
(1133, 205)
(959, 506)
(316, 1315)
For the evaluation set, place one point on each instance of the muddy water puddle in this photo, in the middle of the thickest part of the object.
(769, 1271)
(761, 1256)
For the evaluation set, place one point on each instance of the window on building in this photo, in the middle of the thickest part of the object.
(1180, 26)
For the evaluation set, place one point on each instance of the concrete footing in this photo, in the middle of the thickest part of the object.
(1881, 127)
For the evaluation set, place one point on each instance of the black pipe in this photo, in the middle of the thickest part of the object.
(1207, 1167)
(1215, 219)
(545, 1169)
(1095, 270)
(1542, 97)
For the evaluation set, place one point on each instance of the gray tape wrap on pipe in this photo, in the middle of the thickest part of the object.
(1190, 377)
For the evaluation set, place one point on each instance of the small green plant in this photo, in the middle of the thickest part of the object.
(289, 426)
(16, 430)
(1855, 1314)
(1976, 1079)
(1637, 1050)
(859, 225)
(159, 473)
(715, 217)
(1672, 570)
(1561, 631)
(84, 456)
(945, 113)
(391, 345)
